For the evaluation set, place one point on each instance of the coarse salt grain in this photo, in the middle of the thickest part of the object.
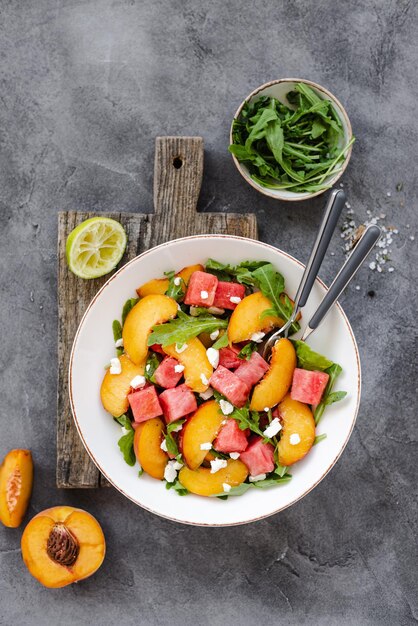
(357, 287)
(391, 269)
(217, 464)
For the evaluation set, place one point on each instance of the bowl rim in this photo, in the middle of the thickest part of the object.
(78, 427)
(318, 87)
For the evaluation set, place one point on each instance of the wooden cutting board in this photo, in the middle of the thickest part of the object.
(178, 171)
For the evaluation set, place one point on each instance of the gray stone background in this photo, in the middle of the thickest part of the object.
(85, 88)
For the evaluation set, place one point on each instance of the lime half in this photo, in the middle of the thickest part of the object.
(95, 247)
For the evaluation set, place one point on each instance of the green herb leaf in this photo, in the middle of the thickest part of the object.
(184, 327)
(126, 442)
(175, 291)
(171, 443)
(319, 438)
(310, 360)
(271, 285)
(221, 342)
(140, 472)
(129, 304)
(335, 396)
(334, 371)
(178, 487)
(272, 481)
(235, 491)
(150, 367)
(247, 350)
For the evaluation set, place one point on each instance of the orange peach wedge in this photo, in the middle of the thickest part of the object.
(276, 383)
(201, 428)
(16, 479)
(203, 483)
(197, 369)
(298, 433)
(115, 387)
(160, 285)
(147, 442)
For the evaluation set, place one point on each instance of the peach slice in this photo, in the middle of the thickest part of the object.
(115, 387)
(202, 483)
(63, 545)
(196, 364)
(202, 427)
(148, 312)
(160, 285)
(149, 454)
(246, 318)
(276, 383)
(297, 419)
(16, 479)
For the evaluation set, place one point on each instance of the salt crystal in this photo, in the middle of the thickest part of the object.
(357, 287)
(372, 265)
(412, 238)
(391, 269)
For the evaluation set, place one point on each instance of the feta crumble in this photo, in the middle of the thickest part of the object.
(138, 382)
(147, 367)
(294, 439)
(204, 295)
(235, 299)
(119, 343)
(170, 472)
(226, 407)
(266, 409)
(257, 337)
(204, 380)
(125, 431)
(255, 479)
(217, 464)
(177, 281)
(273, 428)
(214, 335)
(206, 446)
(180, 347)
(234, 455)
(205, 395)
(227, 488)
(213, 357)
(163, 445)
(115, 366)
(179, 368)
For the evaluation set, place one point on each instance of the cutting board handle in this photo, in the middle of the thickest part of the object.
(178, 171)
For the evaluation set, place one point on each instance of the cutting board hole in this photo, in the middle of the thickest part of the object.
(177, 162)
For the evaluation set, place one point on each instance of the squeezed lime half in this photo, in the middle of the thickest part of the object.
(95, 247)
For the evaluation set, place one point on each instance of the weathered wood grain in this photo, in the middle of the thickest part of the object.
(177, 181)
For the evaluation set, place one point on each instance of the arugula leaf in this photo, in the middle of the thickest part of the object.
(178, 487)
(234, 491)
(271, 285)
(150, 367)
(319, 438)
(117, 334)
(247, 419)
(280, 470)
(310, 360)
(171, 443)
(140, 472)
(247, 350)
(221, 342)
(328, 398)
(129, 304)
(184, 327)
(126, 442)
(175, 291)
(260, 484)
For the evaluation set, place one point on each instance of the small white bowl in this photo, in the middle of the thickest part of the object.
(93, 347)
(279, 89)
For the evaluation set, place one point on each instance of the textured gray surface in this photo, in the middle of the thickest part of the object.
(85, 88)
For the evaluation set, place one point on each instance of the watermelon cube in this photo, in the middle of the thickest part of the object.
(145, 404)
(201, 289)
(231, 438)
(253, 370)
(258, 457)
(157, 348)
(230, 386)
(228, 295)
(228, 358)
(177, 403)
(308, 386)
(165, 375)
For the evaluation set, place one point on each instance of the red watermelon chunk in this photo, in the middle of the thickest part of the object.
(177, 403)
(253, 370)
(145, 404)
(201, 289)
(225, 291)
(231, 438)
(165, 374)
(308, 386)
(157, 348)
(230, 386)
(228, 358)
(258, 457)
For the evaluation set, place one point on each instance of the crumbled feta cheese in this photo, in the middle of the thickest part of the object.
(227, 488)
(217, 464)
(180, 347)
(214, 335)
(294, 439)
(147, 367)
(206, 446)
(178, 368)
(163, 445)
(213, 357)
(255, 479)
(257, 337)
(205, 395)
(204, 295)
(125, 431)
(177, 281)
(204, 380)
(177, 428)
(119, 343)
(115, 366)
(137, 382)
(226, 407)
(273, 428)
(266, 409)
(235, 299)
(170, 472)
(234, 455)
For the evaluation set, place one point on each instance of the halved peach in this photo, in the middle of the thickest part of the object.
(246, 318)
(149, 454)
(16, 479)
(297, 419)
(115, 387)
(160, 285)
(196, 364)
(63, 545)
(202, 427)
(148, 312)
(276, 383)
(203, 483)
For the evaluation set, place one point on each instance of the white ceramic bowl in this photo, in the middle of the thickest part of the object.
(93, 347)
(279, 89)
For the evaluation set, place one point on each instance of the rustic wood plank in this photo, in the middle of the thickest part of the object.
(177, 181)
